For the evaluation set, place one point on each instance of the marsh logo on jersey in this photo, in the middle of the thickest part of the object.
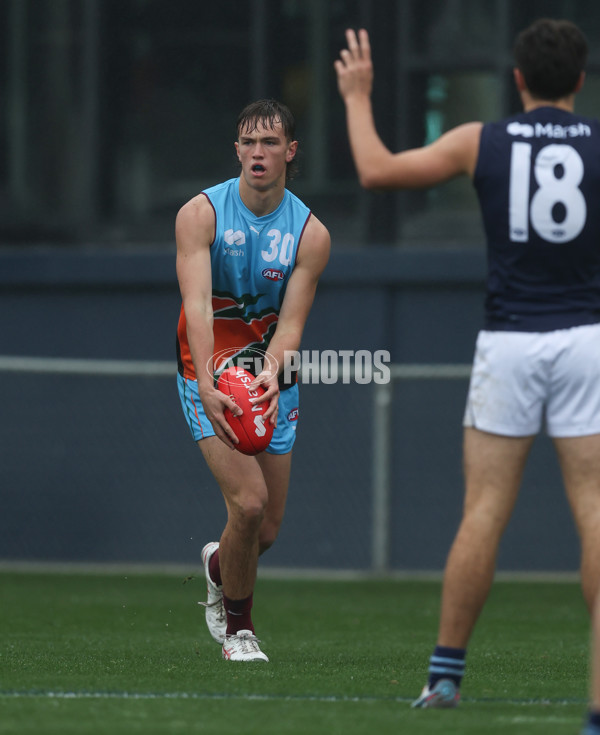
(237, 238)
(539, 130)
(273, 274)
(517, 128)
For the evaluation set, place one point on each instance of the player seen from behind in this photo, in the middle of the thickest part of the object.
(537, 359)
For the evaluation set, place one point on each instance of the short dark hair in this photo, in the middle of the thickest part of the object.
(551, 55)
(269, 112)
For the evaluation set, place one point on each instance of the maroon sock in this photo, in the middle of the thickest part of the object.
(214, 569)
(238, 614)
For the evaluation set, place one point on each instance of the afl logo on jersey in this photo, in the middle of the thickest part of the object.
(293, 415)
(273, 274)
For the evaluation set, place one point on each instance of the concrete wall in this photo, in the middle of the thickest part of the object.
(103, 468)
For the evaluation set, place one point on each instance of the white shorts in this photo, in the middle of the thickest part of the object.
(520, 379)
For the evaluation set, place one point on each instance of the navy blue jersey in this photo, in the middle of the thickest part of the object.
(538, 182)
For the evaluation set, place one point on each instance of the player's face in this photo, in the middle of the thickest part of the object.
(264, 154)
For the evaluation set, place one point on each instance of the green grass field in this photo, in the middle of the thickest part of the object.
(129, 653)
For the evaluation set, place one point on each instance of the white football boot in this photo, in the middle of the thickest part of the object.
(242, 646)
(443, 695)
(216, 619)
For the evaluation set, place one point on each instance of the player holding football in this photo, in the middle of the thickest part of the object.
(249, 255)
(537, 176)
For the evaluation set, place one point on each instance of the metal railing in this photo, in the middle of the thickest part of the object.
(382, 449)
(382, 418)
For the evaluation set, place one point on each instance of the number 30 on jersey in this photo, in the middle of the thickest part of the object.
(279, 246)
(557, 210)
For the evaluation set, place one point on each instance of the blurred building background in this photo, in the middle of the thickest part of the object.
(116, 112)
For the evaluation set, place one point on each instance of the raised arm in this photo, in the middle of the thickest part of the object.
(452, 154)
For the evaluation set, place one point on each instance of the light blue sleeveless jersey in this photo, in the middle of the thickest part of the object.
(252, 259)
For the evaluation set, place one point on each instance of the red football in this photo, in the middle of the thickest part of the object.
(251, 429)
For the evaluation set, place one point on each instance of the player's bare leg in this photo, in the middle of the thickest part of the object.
(255, 492)
(493, 467)
(243, 486)
(580, 464)
(276, 472)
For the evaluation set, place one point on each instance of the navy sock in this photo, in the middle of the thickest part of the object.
(446, 663)
(594, 720)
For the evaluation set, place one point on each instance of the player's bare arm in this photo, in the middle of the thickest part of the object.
(313, 254)
(453, 154)
(194, 231)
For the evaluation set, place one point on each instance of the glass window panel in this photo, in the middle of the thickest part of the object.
(175, 82)
(586, 102)
(450, 212)
(583, 12)
(453, 29)
(115, 112)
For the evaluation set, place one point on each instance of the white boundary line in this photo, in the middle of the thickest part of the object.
(332, 699)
